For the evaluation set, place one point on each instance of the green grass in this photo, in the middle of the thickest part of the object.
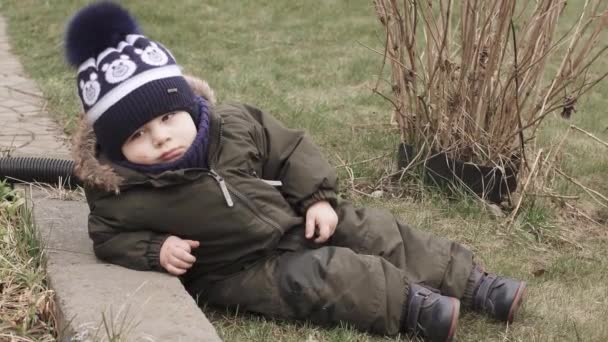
(305, 62)
(26, 304)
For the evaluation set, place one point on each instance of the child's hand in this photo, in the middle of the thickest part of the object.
(323, 216)
(175, 255)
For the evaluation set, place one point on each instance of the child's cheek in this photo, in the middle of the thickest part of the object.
(145, 152)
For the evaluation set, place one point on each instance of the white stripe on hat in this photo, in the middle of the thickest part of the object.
(126, 87)
(87, 64)
(131, 38)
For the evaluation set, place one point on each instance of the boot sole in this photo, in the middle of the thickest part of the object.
(454, 323)
(519, 295)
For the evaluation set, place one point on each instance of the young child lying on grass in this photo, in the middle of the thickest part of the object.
(245, 210)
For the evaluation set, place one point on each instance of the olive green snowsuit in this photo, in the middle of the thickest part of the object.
(252, 248)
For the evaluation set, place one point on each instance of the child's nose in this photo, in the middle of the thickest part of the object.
(160, 137)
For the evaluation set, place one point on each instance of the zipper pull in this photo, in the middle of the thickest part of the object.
(220, 180)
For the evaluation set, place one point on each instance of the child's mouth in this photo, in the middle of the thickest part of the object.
(171, 155)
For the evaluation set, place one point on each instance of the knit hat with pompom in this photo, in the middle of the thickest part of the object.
(124, 78)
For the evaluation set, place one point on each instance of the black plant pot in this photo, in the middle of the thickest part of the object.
(488, 182)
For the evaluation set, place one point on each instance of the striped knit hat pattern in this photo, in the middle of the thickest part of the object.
(124, 79)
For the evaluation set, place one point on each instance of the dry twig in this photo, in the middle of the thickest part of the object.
(523, 191)
(592, 193)
(363, 161)
(590, 135)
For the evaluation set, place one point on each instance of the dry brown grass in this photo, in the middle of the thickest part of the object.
(27, 310)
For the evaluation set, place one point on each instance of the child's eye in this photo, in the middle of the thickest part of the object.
(136, 135)
(167, 116)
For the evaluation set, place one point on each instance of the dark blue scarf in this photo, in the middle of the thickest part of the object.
(195, 156)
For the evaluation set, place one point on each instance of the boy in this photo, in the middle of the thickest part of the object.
(244, 210)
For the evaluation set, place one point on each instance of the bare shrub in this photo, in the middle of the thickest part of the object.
(469, 77)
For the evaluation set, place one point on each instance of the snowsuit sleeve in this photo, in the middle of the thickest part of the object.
(116, 244)
(292, 157)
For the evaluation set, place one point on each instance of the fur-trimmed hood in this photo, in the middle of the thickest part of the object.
(90, 170)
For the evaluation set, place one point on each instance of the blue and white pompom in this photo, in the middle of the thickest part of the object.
(94, 28)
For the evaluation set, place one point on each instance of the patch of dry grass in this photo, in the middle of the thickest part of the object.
(27, 310)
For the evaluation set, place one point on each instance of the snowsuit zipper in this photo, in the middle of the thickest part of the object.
(220, 181)
(227, 189)
(252, 208)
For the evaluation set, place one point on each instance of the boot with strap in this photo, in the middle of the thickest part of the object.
(499, 297)
(430, 315)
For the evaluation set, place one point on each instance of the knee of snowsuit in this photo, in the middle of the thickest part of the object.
(360, 277)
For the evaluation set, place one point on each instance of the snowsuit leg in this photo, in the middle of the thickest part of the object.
(360, 277)
(425, 259)
(326, 285)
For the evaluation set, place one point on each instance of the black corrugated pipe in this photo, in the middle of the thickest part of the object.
(41, 170)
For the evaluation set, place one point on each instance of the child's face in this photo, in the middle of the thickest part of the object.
(161, 140)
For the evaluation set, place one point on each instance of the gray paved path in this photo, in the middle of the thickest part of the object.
(154, 306)
(25, 126)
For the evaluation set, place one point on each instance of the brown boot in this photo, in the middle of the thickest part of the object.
(430, 315)
(499, 297)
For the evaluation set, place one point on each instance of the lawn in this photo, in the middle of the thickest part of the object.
(309, 64)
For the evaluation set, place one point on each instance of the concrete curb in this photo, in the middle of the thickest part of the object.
(136, 306)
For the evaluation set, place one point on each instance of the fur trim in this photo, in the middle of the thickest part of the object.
(201, 87)
(86, 165)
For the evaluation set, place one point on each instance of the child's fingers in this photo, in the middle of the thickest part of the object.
(184, 256)
(174, 270)
(184, 245)
(310, 226)
(193, 243)
(323, 233)
(179, 263)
